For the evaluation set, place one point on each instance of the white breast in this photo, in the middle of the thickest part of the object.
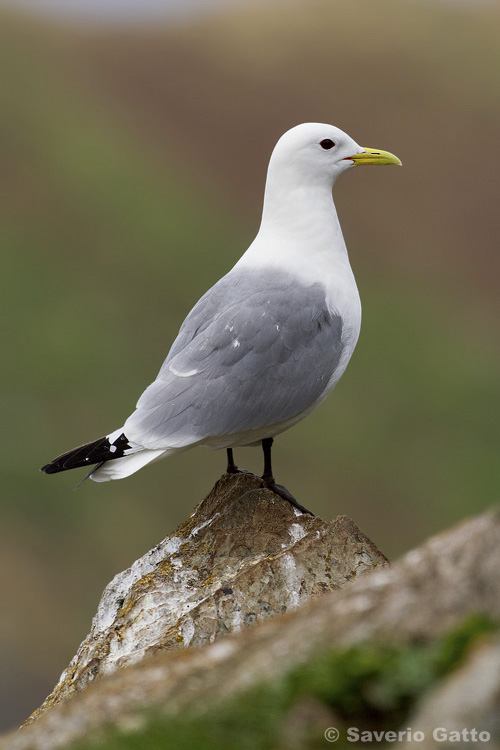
(312, 248)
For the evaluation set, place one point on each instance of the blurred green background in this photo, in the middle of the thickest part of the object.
(133, 167)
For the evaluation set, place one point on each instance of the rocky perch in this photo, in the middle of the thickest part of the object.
(244, 555)
(248, 595)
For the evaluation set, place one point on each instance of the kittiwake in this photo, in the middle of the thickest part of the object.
(270, 340)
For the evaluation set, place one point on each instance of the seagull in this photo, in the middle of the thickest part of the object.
(269, 341)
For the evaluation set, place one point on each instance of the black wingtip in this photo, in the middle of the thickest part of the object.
(55, 466)
(85, 455)
(48, 468)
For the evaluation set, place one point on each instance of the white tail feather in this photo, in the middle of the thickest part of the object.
(123, 467)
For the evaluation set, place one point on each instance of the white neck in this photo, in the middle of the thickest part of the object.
(300, 230)
(300, 234)
(302, 213)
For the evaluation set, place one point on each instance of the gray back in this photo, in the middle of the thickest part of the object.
(258, 348)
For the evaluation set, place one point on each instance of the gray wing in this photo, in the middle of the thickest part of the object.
(257, 349)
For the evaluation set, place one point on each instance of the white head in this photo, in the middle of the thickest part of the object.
(317, 153)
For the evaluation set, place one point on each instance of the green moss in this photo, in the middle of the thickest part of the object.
(372, 685)
(381, 682)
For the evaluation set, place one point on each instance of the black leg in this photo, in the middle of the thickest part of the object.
(271, 484)
(231, 466)
(267, 444)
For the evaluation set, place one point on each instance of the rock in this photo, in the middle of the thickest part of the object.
(431, 590)
(243, 556)
(466, 702)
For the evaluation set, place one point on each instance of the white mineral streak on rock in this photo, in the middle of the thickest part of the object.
(116, 591)
(363, 559)
(187, 630)
(297, 532)
(203, 525)
(292, 579)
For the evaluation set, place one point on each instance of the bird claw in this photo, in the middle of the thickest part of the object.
(278, 489)
(235, 470)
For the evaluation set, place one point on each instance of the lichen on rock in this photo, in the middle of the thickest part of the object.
(243, 556)
(404, 645)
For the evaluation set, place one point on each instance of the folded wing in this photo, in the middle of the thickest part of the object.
(258, 348)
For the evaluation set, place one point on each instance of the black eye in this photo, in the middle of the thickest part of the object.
(326, 144)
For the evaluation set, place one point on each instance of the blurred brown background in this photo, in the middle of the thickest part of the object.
(133, 167)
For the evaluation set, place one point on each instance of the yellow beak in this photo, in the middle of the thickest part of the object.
(374, 156)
